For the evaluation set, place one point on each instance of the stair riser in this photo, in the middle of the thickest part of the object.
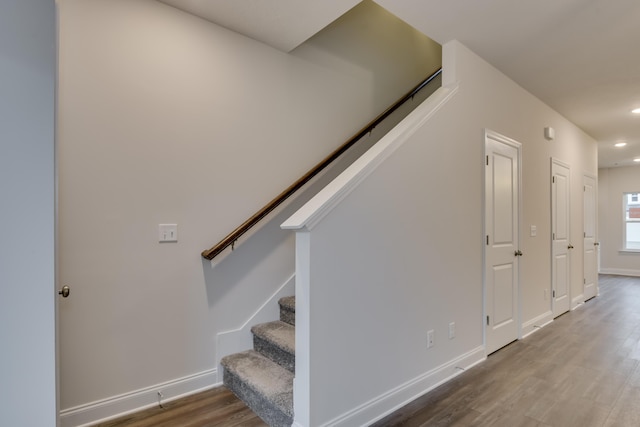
(288, 316)
(288, 310)
(258, 404)
(281, 357)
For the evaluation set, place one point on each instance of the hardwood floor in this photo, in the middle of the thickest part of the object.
(217, 407)
(581, 370)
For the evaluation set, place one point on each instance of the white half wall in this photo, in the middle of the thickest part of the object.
(27, 212)
(401, 253)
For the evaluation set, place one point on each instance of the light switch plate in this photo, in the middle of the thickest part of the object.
(168, 232)
(534, 231)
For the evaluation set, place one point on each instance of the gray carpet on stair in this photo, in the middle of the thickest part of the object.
(276, 340)
(263, 377)
(288, 310)
(265, 386)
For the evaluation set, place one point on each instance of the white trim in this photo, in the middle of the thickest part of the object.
(625, 221)
(241, 339)
(578, 305)
(391, 401)
(589, 176)
(505, 140)
(301, 381)
(329, 197)
(620, 272)
(536, 324)
(554, 305)
(117, 406)
(577, 301)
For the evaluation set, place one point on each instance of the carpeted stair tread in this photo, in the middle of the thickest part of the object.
(278, 333)
(265, 386)
(276, 340)
(288, 309)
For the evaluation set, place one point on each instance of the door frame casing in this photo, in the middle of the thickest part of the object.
(489, 134)
(556, 161)
(585, 176)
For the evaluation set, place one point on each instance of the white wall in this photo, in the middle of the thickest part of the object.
(27, 314)
(402, 252)
(166, 118)
(612, 183)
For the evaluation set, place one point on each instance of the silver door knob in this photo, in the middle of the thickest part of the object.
(65, 291)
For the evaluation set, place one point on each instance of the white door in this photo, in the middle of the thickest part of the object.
(560, 238)
(590, 241)
(502, 181)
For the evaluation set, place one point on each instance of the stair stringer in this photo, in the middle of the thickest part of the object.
(241, 339)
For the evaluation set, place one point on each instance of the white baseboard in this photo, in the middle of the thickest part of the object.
(577, 302)
(537, 323)
(620, 272)
(240, 339)
(117, 406)
(393, 400)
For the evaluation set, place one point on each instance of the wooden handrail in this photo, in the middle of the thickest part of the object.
(230, 239)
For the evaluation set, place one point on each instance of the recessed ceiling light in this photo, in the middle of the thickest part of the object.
(636, 160)
(620, 144)
(636, 111)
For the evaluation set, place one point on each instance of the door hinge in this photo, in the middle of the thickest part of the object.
(585, 234)
(487, 240)
(487, 320)
(487, 160)
(584, 281)
(553, 179)
(553, 293)
(553, 236)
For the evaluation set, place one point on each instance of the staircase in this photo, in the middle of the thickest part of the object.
(263, 377)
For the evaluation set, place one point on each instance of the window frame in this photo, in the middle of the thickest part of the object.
(627, 202)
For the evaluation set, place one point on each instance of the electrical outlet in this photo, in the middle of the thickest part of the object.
(452, 330)
(430, 338)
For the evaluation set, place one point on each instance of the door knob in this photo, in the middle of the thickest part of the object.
(570, 247)
(517, 253)
(596, 243)
(65, 291)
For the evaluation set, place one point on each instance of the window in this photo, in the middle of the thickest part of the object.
(631, 221)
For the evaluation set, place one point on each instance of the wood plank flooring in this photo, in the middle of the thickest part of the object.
(582, 370)
(217, 407)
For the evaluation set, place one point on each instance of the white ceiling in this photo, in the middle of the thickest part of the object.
(581, 57)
